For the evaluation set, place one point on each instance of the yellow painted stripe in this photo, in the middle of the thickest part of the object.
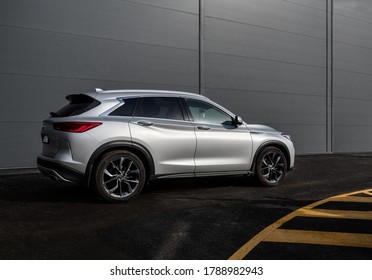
(336, 214)
(358, 199)
(367, 192)
(247, 247)
(321, 237)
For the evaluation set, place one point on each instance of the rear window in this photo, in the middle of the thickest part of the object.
(78, 104)
(160, 107)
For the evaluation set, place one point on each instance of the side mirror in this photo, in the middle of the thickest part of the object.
(238, 120)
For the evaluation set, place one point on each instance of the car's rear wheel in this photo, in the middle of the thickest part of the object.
(271, 166)
(119, 176)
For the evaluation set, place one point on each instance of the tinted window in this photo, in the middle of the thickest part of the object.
(160, 107)
(126, 109)
(203, 112)
(79, 103)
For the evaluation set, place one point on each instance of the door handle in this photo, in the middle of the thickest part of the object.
(145, 123)
(203, 127)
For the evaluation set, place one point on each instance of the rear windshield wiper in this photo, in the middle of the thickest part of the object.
(53, 114)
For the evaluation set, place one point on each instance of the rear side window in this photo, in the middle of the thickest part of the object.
(78, 104)
(160, 107)
(126, 109)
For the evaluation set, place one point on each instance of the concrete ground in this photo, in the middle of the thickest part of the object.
(208, 218)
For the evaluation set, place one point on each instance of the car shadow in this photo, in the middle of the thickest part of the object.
(28, 188)
(165, 185)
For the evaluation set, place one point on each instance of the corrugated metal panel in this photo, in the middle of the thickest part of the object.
(352, 78)
(51, 48)
(264, 59)
(267, 60)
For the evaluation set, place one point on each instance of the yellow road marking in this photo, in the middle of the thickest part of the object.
(354, 199)
(265, 233)
(321, 237)
(341, 214)
(368, 192)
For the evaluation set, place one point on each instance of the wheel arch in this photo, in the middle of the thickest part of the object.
(275, 144)
(135, 148)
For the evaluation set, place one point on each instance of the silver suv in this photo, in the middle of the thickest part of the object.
(116, 141)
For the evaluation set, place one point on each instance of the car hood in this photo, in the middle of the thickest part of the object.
(259, 128)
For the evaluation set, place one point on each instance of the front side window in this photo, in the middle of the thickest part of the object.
(160, 107)
(202, 112)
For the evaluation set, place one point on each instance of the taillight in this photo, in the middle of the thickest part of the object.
(76, 127)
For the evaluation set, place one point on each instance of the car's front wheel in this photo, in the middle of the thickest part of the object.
(271, 166)
(119, 176)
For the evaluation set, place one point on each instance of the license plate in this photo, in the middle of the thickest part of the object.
(45, 139)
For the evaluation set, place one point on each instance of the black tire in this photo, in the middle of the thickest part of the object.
(271, 167)
(119, 176)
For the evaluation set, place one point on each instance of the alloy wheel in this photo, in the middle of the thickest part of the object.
(121, 177)
(272, 167)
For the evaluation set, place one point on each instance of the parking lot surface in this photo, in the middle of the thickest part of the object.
(209, 218)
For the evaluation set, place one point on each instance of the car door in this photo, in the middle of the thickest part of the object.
(160, 126)
(222, 146)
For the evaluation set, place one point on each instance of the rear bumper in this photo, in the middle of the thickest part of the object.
(58, 171)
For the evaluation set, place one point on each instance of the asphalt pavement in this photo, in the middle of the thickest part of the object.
(209, 218)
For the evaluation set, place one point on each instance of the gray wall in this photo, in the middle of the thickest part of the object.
(352, 75)
(266, 60)
(51, 48)
(275, 62)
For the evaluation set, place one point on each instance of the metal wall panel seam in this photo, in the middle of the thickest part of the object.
(201, 46)
(329, 77)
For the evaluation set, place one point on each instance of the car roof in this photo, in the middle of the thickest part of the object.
(110, 94)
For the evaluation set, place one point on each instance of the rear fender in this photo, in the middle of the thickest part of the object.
(137, 149)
